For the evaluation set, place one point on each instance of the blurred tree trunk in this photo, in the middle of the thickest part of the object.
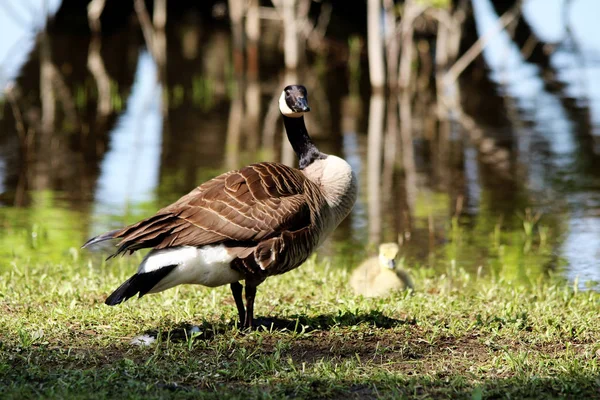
(236, 15)
(96, 66)
(47, 93)
(390, 146)
(408, 153)
(391, 43)
(290, 33)
(146, 25)
(253, 91)
(375, 45)
(407, 27)
(94, 11)
(288, 157)
(252, 36)
(271, 125)
(252, 116)
(234, 129)
(374, 161)
(159, 17)
(156, 41)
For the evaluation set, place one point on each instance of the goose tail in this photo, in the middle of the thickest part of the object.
(140, 283)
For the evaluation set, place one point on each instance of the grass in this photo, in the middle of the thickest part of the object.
(458, 336)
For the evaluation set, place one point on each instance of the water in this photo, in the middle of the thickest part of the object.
(110, 136)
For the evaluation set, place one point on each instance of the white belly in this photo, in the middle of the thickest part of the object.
(208, 266)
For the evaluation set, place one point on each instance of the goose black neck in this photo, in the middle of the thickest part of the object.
(303, 146)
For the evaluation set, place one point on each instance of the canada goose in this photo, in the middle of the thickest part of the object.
(378, 276)
(264, 219)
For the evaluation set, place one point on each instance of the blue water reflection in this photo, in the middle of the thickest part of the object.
(551, 115)
(130, 169)
(576, 60)
(20, 21)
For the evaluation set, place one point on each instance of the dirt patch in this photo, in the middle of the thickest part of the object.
(402, 350)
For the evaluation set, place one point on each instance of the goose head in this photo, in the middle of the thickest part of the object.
(387, 255)
(293, 101)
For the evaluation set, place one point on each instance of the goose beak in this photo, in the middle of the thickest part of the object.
(391, 264)
(302, 105)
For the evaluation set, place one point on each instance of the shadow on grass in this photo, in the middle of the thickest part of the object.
(141, 381)
(336, 362)
(295, 324)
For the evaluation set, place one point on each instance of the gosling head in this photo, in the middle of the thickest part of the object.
(294, 101)
(387, 255)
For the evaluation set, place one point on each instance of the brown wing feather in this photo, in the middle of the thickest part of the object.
(255, 203)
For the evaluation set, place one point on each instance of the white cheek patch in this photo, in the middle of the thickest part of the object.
(286, 110)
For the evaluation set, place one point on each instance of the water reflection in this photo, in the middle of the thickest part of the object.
(130, 168)
(557, 150)
(449, 179)
(374, 157)
(20, 23)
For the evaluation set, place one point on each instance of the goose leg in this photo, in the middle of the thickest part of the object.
(250, 295)
(236, 290)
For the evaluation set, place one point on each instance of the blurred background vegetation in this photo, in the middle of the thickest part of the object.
(473, 125)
